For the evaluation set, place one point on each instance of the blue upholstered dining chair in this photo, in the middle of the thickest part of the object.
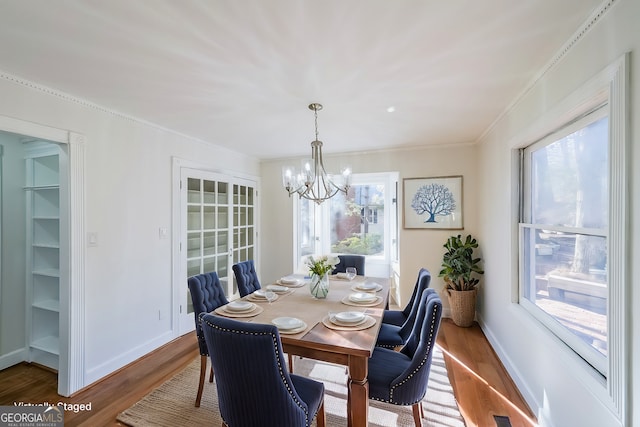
(392, 336)
(254, 387)
(356, 261)
(398, 317)
(207, 295)
(401, 377)
(246, 277)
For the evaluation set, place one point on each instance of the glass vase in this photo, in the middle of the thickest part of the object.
(319, 285)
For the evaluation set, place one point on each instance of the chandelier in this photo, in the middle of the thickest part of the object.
(313, 182)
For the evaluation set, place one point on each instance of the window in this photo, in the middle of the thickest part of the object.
(564, 234)
(364, 221)
(596, 228)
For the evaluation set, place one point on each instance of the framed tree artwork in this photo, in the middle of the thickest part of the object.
(433, 202)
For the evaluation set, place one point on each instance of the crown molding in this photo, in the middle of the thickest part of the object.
(588, 24)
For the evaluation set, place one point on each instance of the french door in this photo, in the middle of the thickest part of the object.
(217, 230)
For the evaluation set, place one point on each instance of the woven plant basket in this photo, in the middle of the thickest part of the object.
(463, 307)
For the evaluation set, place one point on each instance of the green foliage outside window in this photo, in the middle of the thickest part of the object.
(371, 244)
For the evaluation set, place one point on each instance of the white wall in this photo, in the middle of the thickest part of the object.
(14, 249)
(128, 173)
(550, 377)
(418, 248)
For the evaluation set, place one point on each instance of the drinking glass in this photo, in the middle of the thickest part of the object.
(270, 296)
(351, 272)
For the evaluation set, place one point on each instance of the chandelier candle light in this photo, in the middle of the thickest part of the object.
(313, 182)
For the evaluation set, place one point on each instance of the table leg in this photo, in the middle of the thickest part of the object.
(358, 392)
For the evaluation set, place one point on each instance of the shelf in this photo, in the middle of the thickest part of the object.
(49, 272)
(42, 187)
(46, 245)
(48, 344)
(49, 305)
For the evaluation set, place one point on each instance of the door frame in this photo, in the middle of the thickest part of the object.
(71, 366)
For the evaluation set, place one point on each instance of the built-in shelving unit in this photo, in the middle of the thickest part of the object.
(43, 247)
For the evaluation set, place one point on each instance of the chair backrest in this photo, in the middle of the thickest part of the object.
(411, 386)
(424, 278)
(246, 277)
(206, 295)
(254, 386)
(356, 261)
(422, 283)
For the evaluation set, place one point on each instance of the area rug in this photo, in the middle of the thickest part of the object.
(171, 404)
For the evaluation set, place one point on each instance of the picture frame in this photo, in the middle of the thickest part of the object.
(432, 203)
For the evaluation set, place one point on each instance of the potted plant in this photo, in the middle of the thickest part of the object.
(460, 271)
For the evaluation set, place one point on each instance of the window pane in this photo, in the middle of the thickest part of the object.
(193, 195)
(357, 221)
(564, 256)
(566, 277)
(209, 191)
(306, 226)
(569, 179)
(193, 218)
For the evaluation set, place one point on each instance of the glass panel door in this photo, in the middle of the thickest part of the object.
(218, 230)
(207, 230)
(243, 225)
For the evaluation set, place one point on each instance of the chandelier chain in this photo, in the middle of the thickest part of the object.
(315, 110)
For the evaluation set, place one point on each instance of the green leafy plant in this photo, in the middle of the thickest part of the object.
(369, 244)
(459, 268)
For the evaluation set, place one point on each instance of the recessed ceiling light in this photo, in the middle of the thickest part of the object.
(391, 109)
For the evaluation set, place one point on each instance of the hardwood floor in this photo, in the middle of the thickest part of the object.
(480, 382)
(482, 387)
(108, 397)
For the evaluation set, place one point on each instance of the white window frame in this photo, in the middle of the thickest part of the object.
(610, 87)
(591, 355)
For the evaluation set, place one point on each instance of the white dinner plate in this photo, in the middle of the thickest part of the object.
(362, 297)
(286, 323)
(277, 288)
(349, 316)
(368, 286)
(239, 306)
(288, 279)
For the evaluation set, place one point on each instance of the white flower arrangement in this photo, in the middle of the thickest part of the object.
(320, 265)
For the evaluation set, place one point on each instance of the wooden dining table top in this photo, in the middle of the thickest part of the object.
(300, 304)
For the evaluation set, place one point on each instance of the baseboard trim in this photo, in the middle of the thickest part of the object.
(13, 358)
(124, 359)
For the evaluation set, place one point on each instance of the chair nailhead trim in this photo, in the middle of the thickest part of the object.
(275, 349)
(422, 362)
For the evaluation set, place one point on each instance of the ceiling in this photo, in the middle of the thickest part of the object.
(241, 74)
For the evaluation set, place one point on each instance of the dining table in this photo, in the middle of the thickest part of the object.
(318, 335)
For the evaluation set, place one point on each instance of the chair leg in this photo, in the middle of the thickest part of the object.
(421, 410)
(417, 419)
(320, 416)
(211, 375)
(203, 372)
(290, 357)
